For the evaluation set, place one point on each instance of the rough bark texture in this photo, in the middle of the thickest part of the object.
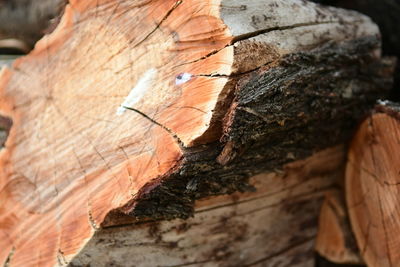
(386, 14)
(274, 226)
(383, 12)
(306, 102)
(372, 186)
(141, 108)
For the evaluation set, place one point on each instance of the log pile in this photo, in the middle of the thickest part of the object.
(372, 186)
(226, 118)
(371, 193)
(276, 224)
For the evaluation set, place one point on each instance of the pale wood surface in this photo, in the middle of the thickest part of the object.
(372, 188)
(72, 156)
(274, 226)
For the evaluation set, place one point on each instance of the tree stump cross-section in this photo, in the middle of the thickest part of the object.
(372, 186)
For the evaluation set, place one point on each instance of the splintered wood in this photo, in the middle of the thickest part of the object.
(111, 100)
(372, 188)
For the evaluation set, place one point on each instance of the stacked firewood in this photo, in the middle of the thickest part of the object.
(201, 133)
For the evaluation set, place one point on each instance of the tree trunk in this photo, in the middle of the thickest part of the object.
(273, 226)
(372, 186)
(140, 108)
(386, 14)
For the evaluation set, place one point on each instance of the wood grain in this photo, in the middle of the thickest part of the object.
(273, 226)
(71, 158)
(335, 240)
(372, 188)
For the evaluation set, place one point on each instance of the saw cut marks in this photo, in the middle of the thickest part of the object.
(69, 158)
(107, 103)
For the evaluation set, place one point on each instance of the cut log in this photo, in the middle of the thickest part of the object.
(140, 108)
(372, 186)
(274, 226)
(335, 240)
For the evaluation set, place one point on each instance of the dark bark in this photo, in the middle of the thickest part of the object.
(280, 113)
(386, 14)
(388, 107)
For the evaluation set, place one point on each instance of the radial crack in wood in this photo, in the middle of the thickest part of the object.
(138, 108)
(372, 186)
(276, 225)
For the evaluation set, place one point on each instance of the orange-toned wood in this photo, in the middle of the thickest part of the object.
(335, 240)
(70, 158)
(273, 226)
(108, 101)
(372, 189)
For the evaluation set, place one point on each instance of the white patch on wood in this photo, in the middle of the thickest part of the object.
(244, 17)
(138, 91)
(183, 78)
